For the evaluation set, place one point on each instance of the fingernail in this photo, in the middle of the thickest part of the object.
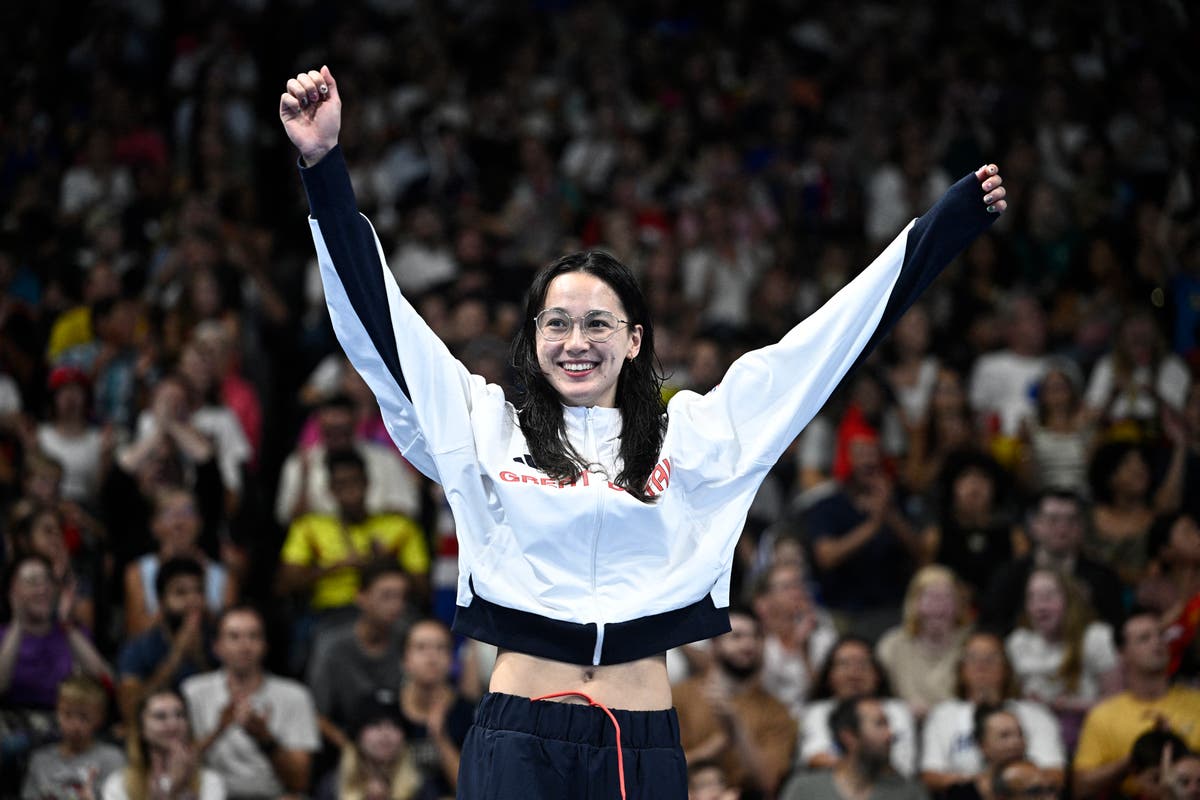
(312, 96)
(304, 102)
(991, 170)
(992, 209)
(987, 198)
(987, 186)
(324, 89)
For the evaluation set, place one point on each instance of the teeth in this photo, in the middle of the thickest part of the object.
(577, 367)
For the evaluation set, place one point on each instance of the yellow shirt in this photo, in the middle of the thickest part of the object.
(320, 540)
(1112, 726)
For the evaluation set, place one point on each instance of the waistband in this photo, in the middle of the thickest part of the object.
(589, 643)
(577, 723)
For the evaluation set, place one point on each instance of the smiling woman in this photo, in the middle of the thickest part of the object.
(584, 589)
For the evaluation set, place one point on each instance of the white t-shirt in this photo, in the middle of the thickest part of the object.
(211, 787)
(816, 738)
(1171, 381)
(391, 485)
(1036, 662)
(246, 770)
(784, 674)
(79, 457)
(948, 738)
(1003, 382)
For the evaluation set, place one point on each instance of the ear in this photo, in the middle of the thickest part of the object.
(635, 342)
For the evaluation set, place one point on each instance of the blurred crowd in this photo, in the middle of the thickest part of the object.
(975, 574)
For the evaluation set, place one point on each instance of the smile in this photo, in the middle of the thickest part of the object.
(578, 367)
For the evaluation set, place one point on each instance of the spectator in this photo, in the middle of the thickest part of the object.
(1056, 522)
(79, 764)
(1057, 441)
(920, 657)
(861, 545)
(163, 763)
(256, 730)
(324, 554)
(1102, 760)
(1023, 780)
(376, 761)
(972, 533)
(727, 717)
(176, 528)
(1132, 384)
(947, 428)
(706, 781)
(949, 753)
(435, 718)
(797, 635)
(39, 530)
(110, 360)
(914, 369)
(69, 438)
(1172, 587)
(177, 646)
(860, 727)
(38, 648)
(1001, 742)
(360, 658)
(1150, 751)
(1181, 776)
(304, 481)
(1060, 655)
(1123, 509)
(852, 671)
(1001, 385)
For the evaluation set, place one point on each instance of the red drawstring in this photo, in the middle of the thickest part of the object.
(605, 709)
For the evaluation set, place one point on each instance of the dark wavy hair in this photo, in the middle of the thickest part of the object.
(639, 386)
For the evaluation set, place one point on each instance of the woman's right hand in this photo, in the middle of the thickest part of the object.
(311, 112)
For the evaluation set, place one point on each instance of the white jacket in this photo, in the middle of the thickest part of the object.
(583, 573)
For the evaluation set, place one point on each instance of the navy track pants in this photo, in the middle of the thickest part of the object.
(519, 749)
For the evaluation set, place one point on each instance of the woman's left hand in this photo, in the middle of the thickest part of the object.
(993, 192)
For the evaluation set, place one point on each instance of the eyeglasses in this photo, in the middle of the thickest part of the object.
(554, 325)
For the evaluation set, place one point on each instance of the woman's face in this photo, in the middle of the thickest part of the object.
(164, 721)
(583, 372)
(70, 402)
(973, 492)
(851, 672)
(912, 331)
(1132, 475)
(381, 741)
(1056, 391)
(46, 538)
(1045, 603)
(983, 669)
(947, 393)
(1002, 740)
(938, 605)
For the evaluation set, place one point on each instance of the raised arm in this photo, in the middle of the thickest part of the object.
(769, 395)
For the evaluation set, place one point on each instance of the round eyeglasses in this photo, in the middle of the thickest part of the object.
(554, 325)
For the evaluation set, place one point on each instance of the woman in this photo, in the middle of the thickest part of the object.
(163, 765)
(852, 671)
(83, 449)
(1061, 656)
(595, 530)
(1123, 511)
(920, 655)
(1056, 444)
(377, 764)
(40, 531)
(945, 429)
(949, 752)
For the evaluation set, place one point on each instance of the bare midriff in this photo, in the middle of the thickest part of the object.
(635, 686)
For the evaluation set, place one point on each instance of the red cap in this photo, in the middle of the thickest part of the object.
(61, 376)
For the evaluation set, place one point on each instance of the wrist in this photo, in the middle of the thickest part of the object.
(311, 157)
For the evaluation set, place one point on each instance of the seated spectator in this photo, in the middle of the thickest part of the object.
(859, 725)
(1061, 656)
(947, 428)
(1123, 509)
(172, 453)
(1181, 776)
(435, 719)
(163, 763)
(852, 671)
(1055, 520)
(862, 545)
(376, 760)
(304, 480)
(1172, 587)
(83, 449)
(38, 648)
(949, 753)
(1129, 386)
(920, 656)
(972, 533)
(177, 646)
(1001, 742)
(1057, 441)
(360, 658)
(109, 361)
(1150, 700)
(1001, 381)
(796, 634)
(913, 368)
(176, 528)
(256, 730)
(39, 531)
(725, 716)
(78, 765)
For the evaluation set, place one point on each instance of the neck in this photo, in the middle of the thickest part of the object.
(1125, 501)
(354, 516)
(70, 747)
(937, 634)
(856, 775)
(420, 696)
(244, 682)
(37, 627)
(371, 635)
(1045, 558)
(1147, 685)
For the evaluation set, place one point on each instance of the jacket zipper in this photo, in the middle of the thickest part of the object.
(594, 455)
